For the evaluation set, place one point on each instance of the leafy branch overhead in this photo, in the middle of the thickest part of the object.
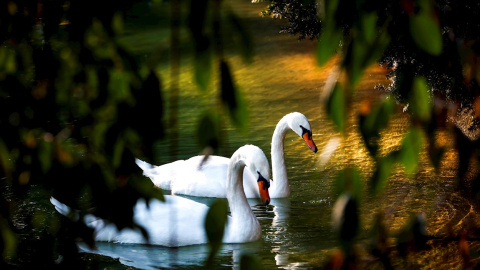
(77, 105)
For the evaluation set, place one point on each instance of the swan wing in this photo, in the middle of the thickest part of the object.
(204, 178)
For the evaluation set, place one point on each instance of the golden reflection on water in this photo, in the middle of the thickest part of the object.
(429, 191)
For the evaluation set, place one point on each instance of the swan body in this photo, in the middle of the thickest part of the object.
(197, 177)
(180, 222)
(207, 179)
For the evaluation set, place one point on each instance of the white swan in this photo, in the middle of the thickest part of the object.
(191, 177)
(280, 188)
(180, 222)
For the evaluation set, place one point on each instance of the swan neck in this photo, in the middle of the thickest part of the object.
(239, 207)
(280, 186)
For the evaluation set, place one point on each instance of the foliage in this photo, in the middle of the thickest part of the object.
(76, 108)
(300, 14)
(432, 50)
(423, 42)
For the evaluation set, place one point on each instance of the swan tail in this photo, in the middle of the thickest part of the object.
(150, 170)
(90, 220)
(64, 209)
(60, 207)
(161, 176)
(143, 165)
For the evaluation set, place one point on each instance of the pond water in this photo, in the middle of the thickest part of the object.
(284, 77)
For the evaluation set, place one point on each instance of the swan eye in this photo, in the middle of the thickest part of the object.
(304, 130)
(266, 184)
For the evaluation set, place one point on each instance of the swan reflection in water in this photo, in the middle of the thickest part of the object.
(277, 232)
(159, 257)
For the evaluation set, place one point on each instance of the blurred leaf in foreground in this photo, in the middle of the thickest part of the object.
(208, 130)
(410, 152)
(250, 262)
(336, 107)
(346, 220)
(348, 180)
(425, 30)
(373, 120)
(232, 98)
(215, 221)
(382, 173)
(420, 100)
(9, 243)
(328, 44)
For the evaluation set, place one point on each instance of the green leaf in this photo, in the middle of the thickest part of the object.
(45, 155)
(420, 99)
(374, 122)
(246, 42)
(241, 114)
(8, 62)
(232, 98)
(5, 159)
(208, 130)
(117, 23)
(215, 221)
(336, 107)
(348, 181)
(331, 8)
(9, 240)
(369, 22)
(359, 54)
(410, 151)
(145, 187)
(381, 43)
(345, 218)
(227, 90)
(148, 113)
(202, 59)
(365, 48)
(380, 116)
(196, 18)
(426, 33)
(383, 170)
(118, 152)
(328, 44)
(203, 66)
(119, 87)
(98, 134)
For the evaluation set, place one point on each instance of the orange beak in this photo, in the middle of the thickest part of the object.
(308, 139)
(263, 186)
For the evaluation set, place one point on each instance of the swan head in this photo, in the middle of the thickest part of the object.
(263, 185)
(257, 163)
(300, 125)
